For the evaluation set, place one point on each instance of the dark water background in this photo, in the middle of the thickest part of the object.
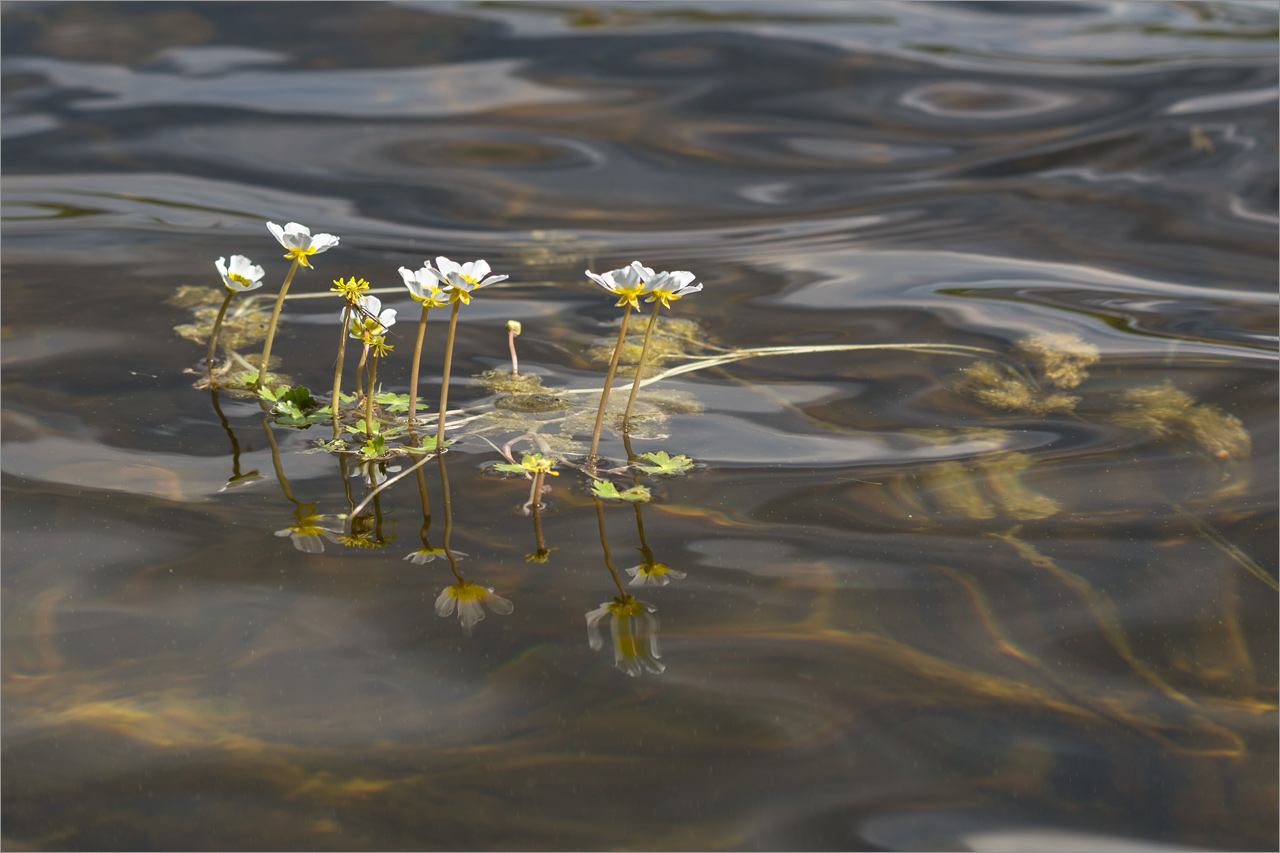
(911, 619)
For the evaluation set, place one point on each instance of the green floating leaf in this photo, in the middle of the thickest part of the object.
(392, 402)
(514, 469)
(428, 446)
(662, 463)
(608, 491)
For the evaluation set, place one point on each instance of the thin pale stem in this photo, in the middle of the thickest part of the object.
(368, 399)
(608, 381)
(213, 336)
(515, 364)
(271, 327)
(604, 543)
(364, 356)
(337, 371)
(644, 355)
(417, 359)
(448, 367)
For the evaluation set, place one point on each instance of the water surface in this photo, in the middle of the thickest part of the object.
(928, 604)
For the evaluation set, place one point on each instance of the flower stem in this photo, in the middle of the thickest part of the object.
(271, 327)
(364, 356)
(337, 371)
(644, 355)
(417, 358)
(448, 366)
(604, 543)
(511, 342)
(368, 400)
(213, 336)
(608, 380)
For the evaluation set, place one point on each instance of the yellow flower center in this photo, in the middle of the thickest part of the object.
(239, 279)
(468, 591)
(300, 255)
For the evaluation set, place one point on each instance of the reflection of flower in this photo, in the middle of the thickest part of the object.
(667, 287)
(298, 240)
(539, 556)
(241, 276)
(307, 533)
(635, 643)
(626, 283)
(427, 554)
(653, 574)
(423, 286)
(461, 279)
(467, 596)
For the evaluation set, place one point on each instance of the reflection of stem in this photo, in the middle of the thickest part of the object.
(448, 510)
(271, 327)
(535, 492)
(387, 482)
(444, 388)
(644, 546)
(235, 444)
(417, 363)
(346, 483)
(604, 543)
(644, 354)
(377, 515)
(539, 541)
(426, 505)
(213, 335)
(608, 381)
(337, 371)
(275, 461)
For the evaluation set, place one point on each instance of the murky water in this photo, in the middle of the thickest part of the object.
(1013, 588)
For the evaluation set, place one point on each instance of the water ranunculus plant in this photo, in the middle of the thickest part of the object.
(301, 245)
(627, 283)
(661, 289)
(240, 277)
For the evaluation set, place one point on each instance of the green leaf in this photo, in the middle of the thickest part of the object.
(662, 463)
(267, 394)
(392, 402)
(608, 491)
(514, 469)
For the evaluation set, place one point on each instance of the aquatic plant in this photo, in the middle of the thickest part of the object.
(301, 245)
(634, 630)
(423, 285)
(352, 292)
(467, 596)
(661, 289)
(626, 283)
(241, 277)
(460, 282)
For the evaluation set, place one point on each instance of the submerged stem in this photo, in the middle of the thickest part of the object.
(644, 355)
(448, 366)
(271, 327)
(213, 336)
(608, 381)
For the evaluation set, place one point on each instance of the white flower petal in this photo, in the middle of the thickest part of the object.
(593, 626)
(322, 243)
(446, 601)
(469, 613)
(447, 267)
(278, 233)
(498, 604)
(308, 544)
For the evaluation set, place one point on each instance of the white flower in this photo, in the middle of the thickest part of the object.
(635, 643)
(371, 318)
(424, 287)
(667, 287)
(462, 279)
(298, 240)
(467, 596)
(626, 283)
(242, 274)
(653, 574)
